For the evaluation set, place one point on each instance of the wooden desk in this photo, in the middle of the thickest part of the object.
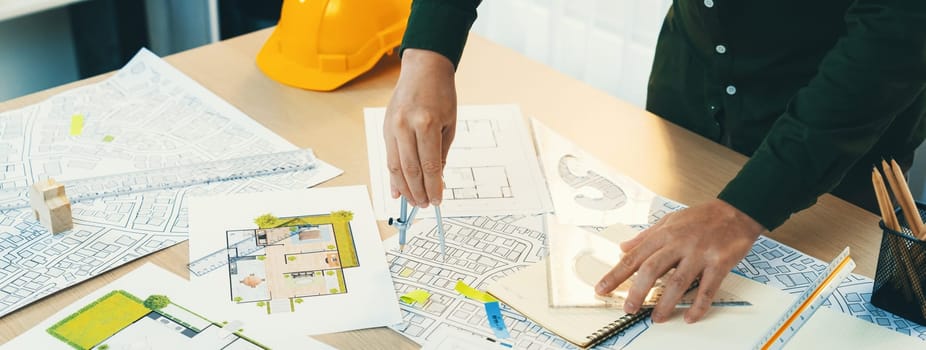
(669, 160)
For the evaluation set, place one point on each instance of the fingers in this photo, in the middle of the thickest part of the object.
(676, 284)
(431, 159)
(417, 144)
(396, 178)
(707, 288)
(651, 270)
(627, 266)
(447, 136)
(411, 168)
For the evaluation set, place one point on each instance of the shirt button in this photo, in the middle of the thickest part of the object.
(720, 49)
(713, 107)
(709, 3)
(731, 90)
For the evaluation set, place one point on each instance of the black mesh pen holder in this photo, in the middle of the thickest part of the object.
(900, 280)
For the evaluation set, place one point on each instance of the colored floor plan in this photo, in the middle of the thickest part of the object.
(300, 257)
(120, 320)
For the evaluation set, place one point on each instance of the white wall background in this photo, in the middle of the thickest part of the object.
(608, 44)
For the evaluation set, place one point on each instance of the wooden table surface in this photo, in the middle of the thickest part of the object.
(662, 156)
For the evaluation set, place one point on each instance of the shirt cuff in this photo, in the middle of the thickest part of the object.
(768, 190)
(440, 26)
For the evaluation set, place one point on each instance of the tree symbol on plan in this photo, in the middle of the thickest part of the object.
(156, 302)
(608, 195)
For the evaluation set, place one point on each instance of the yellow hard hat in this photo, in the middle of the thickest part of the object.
(322, 44)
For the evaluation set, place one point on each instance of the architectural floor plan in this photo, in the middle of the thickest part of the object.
(476, 183)
(305, 257)
(120, 320)
(156, 117)
(491, 168)
(313, 263)
(476, 134)
(150, 308)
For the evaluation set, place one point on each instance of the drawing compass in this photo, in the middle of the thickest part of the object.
(404, 222)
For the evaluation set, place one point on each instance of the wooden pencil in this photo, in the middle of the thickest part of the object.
(911, 212)
(898, 249)
(884, 201)
(895, 186)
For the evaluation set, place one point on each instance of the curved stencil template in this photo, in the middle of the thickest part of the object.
(611, 196)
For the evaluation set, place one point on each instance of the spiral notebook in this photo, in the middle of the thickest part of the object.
(526, 292)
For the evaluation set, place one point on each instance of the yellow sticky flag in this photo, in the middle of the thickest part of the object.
(77, 124)
(417, 296)
(473, 293)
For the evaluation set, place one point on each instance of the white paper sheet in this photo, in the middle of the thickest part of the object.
(491, 168)
(307, 280)
(742, 327)
(159, 118)
(118, 322)
(447, 338)
(585, 191)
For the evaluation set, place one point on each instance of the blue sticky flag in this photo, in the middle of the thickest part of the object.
(496, 321)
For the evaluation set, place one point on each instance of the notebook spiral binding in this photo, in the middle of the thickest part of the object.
(617, 326)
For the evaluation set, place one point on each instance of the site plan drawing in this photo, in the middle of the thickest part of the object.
(587, 192)
(480, 250)
(315, 263)
(491, 168)
(149, 308)
(483, 249)
(159, 118)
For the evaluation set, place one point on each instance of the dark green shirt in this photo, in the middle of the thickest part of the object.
(814, 91)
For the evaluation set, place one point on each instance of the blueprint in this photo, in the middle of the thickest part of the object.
(148, 115)
(483, 249)
(590, 195)
(319, 268)
(491, 169)
(480, 250)
(150, 308)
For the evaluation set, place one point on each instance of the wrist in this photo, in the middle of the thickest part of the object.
(427, 61)
(740, 219)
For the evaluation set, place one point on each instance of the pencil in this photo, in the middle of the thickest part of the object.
(907, 206)
(901, 255)
(911, 213)
(884, 201)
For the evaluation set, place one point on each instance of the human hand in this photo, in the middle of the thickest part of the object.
(706, 240)
(420, 123)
